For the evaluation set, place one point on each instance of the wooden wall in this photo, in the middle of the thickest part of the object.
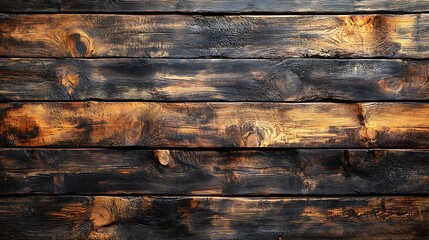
(214, 119)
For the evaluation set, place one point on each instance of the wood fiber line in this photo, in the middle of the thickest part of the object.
(221, 6)
(215, 125)
(193, 36)
(213, 80)
(213, 218)
(173, 161)
(270, 172)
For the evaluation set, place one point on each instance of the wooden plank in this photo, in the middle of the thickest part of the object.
(213, 80)
(298, 172)
(214, 125)
(213, 218)
(188, 36)
(218, 6)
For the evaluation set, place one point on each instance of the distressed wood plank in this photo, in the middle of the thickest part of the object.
(215, 125)
(213, 80)
(220, 6)
(271, 172)
(214, 218)
(29, 6)
(187, 36)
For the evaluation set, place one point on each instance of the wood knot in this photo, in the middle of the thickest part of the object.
(359, 27)
(252, 140)
(247, 134)
(70, 81)
(310, 184)
(391, 85)
(79, 44)
(100, 214)
(163, 157)
(287, 83)
(359, 21)
(369, 134)
(367, 35)
(134, 129)
(68, 78)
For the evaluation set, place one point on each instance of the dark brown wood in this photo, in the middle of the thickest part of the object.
(213, 80)
(271, 172)
(190, 36)
(214, 218)
(220, 6)
(214, 119)
(215, 125)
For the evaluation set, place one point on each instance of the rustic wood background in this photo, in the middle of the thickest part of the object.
(214, 119)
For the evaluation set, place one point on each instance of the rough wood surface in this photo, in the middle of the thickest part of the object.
(185, 119)
(213, 80)
(214, 218)
(221, 6)
(215, 124)
(302, 172)
(190, 36)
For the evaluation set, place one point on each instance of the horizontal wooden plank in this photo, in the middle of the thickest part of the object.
(306, 172)
(213, 218)
(213, 80)
(215, 125)
(220, 6)
(187, 36)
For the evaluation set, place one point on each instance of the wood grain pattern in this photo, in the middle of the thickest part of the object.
(214, 218)
(214, 119)
(215, 124)
(187, 36)
(220, 6)
(213, 80)
(271, 172)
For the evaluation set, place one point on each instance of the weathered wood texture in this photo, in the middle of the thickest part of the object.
(220, 6)
(103, 35)
(303, 172)
(214, 218)
(215, 124)
(179, 166)
(213, 80)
